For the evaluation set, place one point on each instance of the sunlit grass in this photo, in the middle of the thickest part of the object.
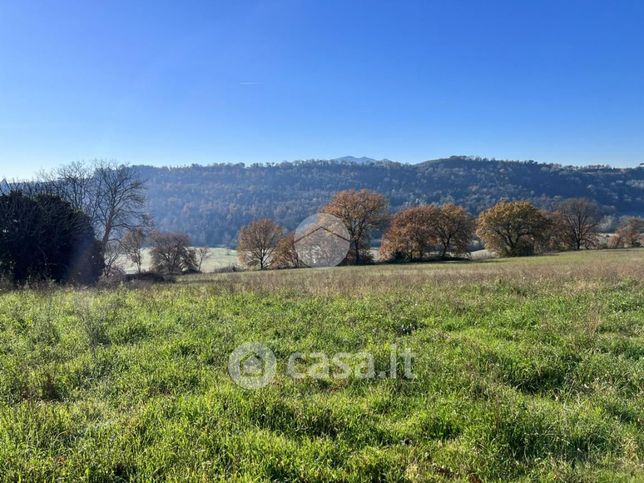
(526, 369)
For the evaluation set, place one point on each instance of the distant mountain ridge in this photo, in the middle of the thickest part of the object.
(211, 203)
(362, 160)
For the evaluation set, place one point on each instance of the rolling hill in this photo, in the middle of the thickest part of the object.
(211, 203)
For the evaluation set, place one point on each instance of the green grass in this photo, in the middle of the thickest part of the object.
(528, 369)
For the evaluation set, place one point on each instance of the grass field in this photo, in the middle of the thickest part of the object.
(526, 369)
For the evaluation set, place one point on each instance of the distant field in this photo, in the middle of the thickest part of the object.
(526, 369)
(217, 258)
(226, 257)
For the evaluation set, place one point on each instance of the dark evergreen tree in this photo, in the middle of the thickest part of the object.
(43, 238)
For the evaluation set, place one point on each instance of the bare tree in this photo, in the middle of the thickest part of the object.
(257, 242)
(578, 219)
(361, 212)
(203, 253)
(75, 183)
(132, 246)
(120, 201)
(111, 194)
(171, 253)
(113, 252)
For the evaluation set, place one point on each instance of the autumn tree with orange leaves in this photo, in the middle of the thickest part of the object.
(453, 227)
(415, 233)
(410, 236)
(630, 233)
(513, 228)
(285, 254)
(362, 212)
(577, 220)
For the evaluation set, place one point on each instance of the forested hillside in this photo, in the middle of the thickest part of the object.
(210, 203)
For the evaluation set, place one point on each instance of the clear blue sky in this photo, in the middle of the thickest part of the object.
(177, 82)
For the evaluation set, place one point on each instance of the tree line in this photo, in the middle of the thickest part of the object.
(76, 223)
(211, 203)
(430, 231)
(68, 224)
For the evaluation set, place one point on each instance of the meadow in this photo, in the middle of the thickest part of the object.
(525, 369)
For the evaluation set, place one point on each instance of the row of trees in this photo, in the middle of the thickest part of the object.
(510, 228)
(171, 253)
(69, 224)
(515, 228)
(420, 232)
(264, 244)
(75, 223)
(212, 203)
